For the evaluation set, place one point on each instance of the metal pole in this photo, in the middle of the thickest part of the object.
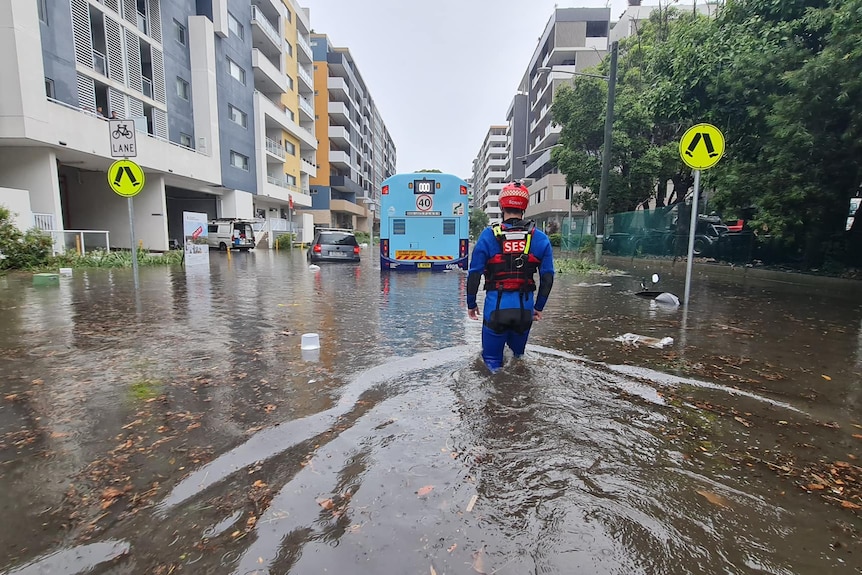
(569, 236)
(290, 226)
(134, 243)
(691, 233)
(606, 154)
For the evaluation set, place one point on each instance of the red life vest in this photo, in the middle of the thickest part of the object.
(514, 267)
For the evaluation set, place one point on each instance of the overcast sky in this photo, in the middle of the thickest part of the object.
(441, 72)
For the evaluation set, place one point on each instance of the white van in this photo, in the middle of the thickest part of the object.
(231, 233)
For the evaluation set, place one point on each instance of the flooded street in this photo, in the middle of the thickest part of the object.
(182, 429)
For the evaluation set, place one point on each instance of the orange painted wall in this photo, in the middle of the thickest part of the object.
(321, 124)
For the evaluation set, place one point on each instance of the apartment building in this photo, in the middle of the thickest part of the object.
(516, 137)
(214, 88)
(573, 40)
(359, 153)
(489, 172)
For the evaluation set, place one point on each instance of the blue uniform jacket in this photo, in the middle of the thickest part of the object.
(488, 246)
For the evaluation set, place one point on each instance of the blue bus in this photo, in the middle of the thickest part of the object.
(424, 222)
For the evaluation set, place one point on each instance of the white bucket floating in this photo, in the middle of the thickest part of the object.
(66, 271)
(310, 341)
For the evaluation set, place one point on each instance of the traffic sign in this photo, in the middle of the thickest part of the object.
(424, 202)
(123, 136)
(701, 147)
(126, 178)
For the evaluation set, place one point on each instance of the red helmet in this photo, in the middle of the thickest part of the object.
(514, 196)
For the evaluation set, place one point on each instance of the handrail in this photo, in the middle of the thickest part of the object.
(269, 29)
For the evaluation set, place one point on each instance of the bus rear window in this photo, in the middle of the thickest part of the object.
(448, 227)
(399, 227)
(338, 239)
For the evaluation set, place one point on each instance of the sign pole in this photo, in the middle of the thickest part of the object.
(290, 225)
(691, 233)
(134, 243)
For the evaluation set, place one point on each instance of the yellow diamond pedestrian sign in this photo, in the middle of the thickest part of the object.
(701, 146)
(126, 178)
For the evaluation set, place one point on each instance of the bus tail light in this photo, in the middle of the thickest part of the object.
(463, 190)
(385, 190)
(316, 248)
(356, 250)
(463, 247)
(384, 247)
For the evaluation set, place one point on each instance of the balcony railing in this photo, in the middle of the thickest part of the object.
(100, 63)
(307, 106)
(266, 25)
(305, 76)
(281, 183)
(275, 148)
(44, 222)
(147, 86)
(303, 44)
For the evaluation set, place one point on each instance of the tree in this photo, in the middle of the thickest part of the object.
(428, 172)
(478, 222)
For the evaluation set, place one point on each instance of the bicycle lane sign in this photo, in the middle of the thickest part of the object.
(123, 138)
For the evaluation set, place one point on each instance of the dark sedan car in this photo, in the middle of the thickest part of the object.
(334, 246)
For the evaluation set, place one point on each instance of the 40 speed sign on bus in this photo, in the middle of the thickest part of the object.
(424, 202)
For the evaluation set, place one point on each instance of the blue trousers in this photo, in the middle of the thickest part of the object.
(493, 344)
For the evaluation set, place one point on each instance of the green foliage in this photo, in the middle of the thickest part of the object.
(428, 172)
(21, 250)
(114, 259)
(284, 241)
(578, 266)
(478, 222)
(556, 239)
(782, 79)
(363, 238)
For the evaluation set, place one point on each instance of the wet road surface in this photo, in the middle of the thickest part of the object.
(183, 429)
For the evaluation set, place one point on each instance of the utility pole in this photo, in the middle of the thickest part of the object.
(606, 155)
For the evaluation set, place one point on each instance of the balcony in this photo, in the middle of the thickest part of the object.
(307, 108)
(338, 88)
(345, 184)
(339, 135)
(306, 81)
(275, 149)
(267, 77)
(100, 63)
(339, 112)
(276, 117)
(308, 167)
(303, 24)
(340, 160)
(304, 55)
(347, 207)
(147, 87)
(264, 29)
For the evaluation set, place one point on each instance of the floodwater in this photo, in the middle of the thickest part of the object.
(183, 430)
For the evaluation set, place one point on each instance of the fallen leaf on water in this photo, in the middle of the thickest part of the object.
(742, 421)
(849, 505)
(433, 571)
(472, 502)
(816, 487)
(425, 490)
(258, 483)
(857, 436)
(826, 377)
(269, 408)
(454, 546)
(479, 561)
(326, 503)
(713, 498)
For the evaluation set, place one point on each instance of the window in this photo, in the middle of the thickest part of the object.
(290, 148)
(179, 33)
(597, 29)
(237, 160)
(237, 116)
(448, 227)
(212, 228)
(399, 227)
(236, 71)
(288, 48)
(42, 6)
(185, 140)
(49, 87)
(235, 27)
(291, 180)
(182, 88)
(290, 113)
(289, 16)
(289, 83)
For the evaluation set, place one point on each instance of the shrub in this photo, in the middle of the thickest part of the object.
(284, 241)
(556, 239)
(21, 250)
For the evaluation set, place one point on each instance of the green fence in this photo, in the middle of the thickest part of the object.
(665, 232)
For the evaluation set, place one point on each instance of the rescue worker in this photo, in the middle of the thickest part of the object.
(509, 255)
